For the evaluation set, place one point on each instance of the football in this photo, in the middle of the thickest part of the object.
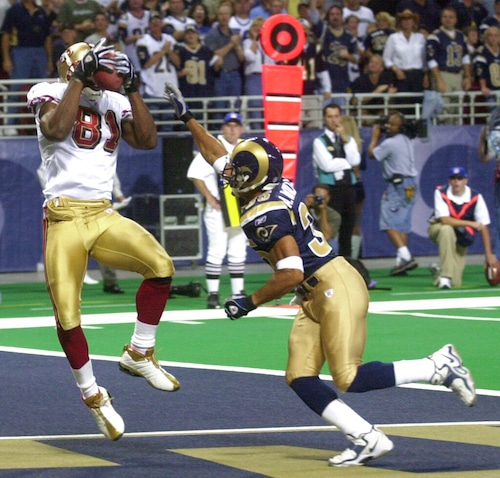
(107, 80)
(492, 275)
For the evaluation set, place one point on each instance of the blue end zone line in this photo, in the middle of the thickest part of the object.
(221, 368)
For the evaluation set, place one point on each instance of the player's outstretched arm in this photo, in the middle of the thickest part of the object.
(208, 146)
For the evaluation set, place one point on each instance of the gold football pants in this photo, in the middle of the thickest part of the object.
(75, 230)
(330, 325)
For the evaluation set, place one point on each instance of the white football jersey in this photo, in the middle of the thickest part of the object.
(81, 166)
(131, 25)
(155, 77)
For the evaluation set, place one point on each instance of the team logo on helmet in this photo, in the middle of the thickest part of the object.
(255, 163)
(67, 63)
(69, 60)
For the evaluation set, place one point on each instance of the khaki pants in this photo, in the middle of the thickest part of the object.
(452, 255)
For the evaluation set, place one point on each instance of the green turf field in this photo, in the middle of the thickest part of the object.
(411, 320)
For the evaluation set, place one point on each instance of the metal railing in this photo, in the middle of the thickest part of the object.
(460, 108)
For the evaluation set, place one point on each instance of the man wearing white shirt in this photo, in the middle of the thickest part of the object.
(459, 211)
(334, 155)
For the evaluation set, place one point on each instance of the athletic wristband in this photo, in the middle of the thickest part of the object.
(220, 163)
(186, 116)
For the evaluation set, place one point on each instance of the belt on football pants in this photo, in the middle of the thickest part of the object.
(306, 286)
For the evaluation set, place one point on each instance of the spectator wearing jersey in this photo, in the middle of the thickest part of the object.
(351, 24)
(26, 48)
(176, 21)
(240, 21)
(227, 46)
(80, 14)
(132, 25)
(405, 54)
(377, 38)
(459, 212)
(339, 48)
(486, 63)
(197, 68)
(492, 20)
(448, 60)
(159, 63)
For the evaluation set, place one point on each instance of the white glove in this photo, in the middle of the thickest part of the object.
(174, 96)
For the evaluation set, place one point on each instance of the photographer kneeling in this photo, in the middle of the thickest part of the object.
(397, 156)
(326, 219)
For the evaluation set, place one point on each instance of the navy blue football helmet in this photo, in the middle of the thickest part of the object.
(255, 163)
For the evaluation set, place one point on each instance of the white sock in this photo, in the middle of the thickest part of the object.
(345, 418)
(144, 336)
(237, 284)
(404, 253)
(411, 371)
(85, 380)
(213, 286)
(355, 246)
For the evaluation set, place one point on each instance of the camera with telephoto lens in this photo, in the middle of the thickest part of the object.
(318, 199)
(413, 128)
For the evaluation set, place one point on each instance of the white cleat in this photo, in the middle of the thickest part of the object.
(88, 280)
(451, 373)
(109, 422)
(147, 366)
(367, 446)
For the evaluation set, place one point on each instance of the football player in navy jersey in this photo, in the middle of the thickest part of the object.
(330, 324)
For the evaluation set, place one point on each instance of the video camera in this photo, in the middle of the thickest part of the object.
(413, 128)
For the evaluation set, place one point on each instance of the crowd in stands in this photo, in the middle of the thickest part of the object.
(211, 48)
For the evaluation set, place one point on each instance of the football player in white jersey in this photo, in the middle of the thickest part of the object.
(79, 129)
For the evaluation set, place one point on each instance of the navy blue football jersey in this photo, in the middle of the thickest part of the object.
(313, 63)
(199, 82)
(279, 213)
(446, 51)
(376, 40)
(487, 67)
(338, 67)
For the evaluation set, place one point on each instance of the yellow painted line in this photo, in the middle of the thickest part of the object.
(17, 454)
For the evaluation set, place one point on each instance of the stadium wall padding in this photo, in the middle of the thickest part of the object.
(141, 172)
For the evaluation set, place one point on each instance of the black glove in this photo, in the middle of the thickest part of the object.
(174, 97)
(125, 68)
(238, 305)
(94, 60)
